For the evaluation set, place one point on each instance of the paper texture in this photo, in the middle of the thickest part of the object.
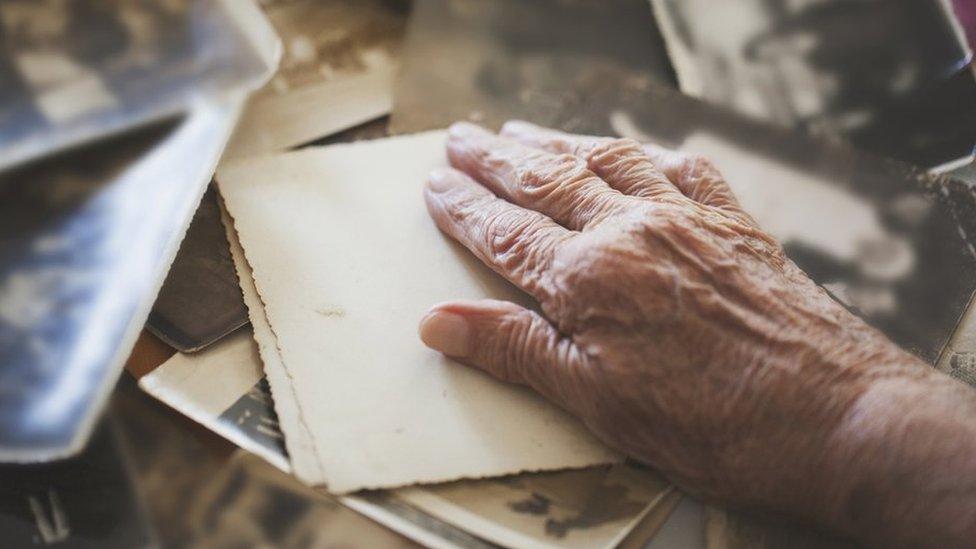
(299, 443)
(559, 64)
(194, 375)
(281, 122)
(346, 261)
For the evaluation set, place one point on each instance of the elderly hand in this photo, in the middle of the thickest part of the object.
(678, 331)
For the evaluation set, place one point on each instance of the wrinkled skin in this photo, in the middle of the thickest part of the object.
(679, 332)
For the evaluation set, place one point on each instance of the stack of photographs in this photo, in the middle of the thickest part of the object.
(223, 388)
(889, 241)
(335, 73)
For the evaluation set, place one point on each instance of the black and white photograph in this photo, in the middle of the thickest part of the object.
(75, 70)
(791, 63)
(91, 500)
(345, 52)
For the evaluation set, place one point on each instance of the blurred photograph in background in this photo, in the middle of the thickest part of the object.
(891, 76)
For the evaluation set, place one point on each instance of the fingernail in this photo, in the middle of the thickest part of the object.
(440, 179)
(446, 332)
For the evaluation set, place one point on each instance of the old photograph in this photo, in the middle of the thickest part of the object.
(224, 389)
(545, 61)
(790, 63)
(589, 508)
(340, 53)
(76, 70)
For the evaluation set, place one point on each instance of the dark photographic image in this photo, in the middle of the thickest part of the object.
(91, 500)
(74, 70)
(791, 63)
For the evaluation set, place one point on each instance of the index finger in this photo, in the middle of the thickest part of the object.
(559, 186)
(517, 243)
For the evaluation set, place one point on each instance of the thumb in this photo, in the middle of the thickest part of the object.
(509, 342)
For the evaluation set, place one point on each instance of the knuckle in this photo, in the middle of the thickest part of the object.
(464, 208)
(669, 221)
(624, 162)
(516, 242)
(519, 340)
(666, 159)
(552, 172)
(583, 269)
(703, 183)
(588, 291)
(615, 152)
(501, 229)
(612, 150)
(509, 126)
(697, 167)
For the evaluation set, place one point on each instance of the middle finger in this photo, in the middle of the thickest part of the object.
(557, 185)
(622, 163)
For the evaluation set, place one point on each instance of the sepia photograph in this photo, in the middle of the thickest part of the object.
(343, 53)
(588, 508)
